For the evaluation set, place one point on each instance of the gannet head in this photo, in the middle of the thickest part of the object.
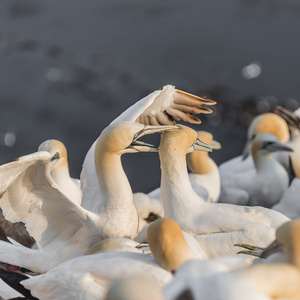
(123, 137)
(181, 138)
(288, 235)
(267, 123)
(58, 152)
(195, 158)
(168, 244)
(265, 143)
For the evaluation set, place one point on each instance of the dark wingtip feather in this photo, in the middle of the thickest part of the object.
(14, 279)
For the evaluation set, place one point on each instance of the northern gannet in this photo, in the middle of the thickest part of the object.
(266, 183)
(216, 226)
(205, 176)
(258, 281)
(62, 228)
(60, 170)
(61, 176)
(264, 123)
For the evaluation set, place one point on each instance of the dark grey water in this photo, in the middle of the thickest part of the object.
(68, 68)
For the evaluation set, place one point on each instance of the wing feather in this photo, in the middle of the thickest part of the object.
(29, 195)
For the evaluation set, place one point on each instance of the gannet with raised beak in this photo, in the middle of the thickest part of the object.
(62, 228)
(216, 226)
(162, 107)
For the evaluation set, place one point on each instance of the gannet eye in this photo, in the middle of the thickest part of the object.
(55, 156)
(266, 144)
(151, 217)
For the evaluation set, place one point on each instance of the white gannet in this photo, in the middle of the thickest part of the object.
(258, 281)
(60, 170)
(62, 228)
(216, 226)
(205, 176)
(60, 174)
(89, 276)
(264, 123)
(266, 183)
(162, 107)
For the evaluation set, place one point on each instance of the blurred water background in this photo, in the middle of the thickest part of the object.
(68, 68)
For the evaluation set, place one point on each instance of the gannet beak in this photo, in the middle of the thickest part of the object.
(199, 146)
(215, 145)
(148, 129)
(274, 247)
(251, 250)
(273, 147)
(246, 151)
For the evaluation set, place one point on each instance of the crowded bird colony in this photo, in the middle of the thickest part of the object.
(225, 232)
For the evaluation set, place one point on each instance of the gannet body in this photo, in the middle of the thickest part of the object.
(217, 227)
(88, 277)
(265, 184)
(289, 204)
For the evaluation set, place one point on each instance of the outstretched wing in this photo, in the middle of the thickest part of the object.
(291, 119)
(29, 195)
(166, 106)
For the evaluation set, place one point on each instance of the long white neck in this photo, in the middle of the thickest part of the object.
(113, 182)
(177, 193)
(117, 212)
(263, 162)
